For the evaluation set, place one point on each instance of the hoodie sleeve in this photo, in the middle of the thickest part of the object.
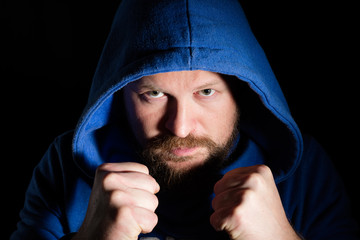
(315, 198)
(41, 216)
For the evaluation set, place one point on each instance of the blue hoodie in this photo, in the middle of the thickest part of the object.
(149, 37)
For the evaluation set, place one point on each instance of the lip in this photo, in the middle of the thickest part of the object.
(183, 152)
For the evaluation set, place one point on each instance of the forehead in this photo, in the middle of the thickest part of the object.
(180, 80)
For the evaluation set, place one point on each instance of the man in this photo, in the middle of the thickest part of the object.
(186, 135)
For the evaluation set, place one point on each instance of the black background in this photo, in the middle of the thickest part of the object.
(50, 48)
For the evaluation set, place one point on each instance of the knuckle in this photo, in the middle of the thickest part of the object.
(150, 222)
(263, 170)
(228, 219)
(237, 215)
(113, 180)
(155, 202)
(218, 220)
(259, 176)
(104, 167)
(149, 183)
(155, 185)
(217, 186)
(119, 198)
(242, 196)
(146, 219)
(109, 179)
(137, 167)
(248, 195)
(126, 223)
(149, 202)
(255, 179)
(144, 168)
(124, 212)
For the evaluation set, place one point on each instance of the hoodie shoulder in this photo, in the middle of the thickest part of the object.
(49, 212)
(315, 199)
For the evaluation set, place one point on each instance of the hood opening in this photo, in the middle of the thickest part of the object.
(278, 142)
(149, 37)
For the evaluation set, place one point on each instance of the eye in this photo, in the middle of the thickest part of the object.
(206, 92)
(155, 94)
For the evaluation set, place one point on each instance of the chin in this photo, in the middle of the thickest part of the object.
(186, 164)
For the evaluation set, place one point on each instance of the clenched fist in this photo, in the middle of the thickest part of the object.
(122, 203)
(247, 206)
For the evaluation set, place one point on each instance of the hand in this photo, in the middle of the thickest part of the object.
(247, 206)
(122, 203)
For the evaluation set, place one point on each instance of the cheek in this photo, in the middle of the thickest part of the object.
(144, 122)
(220, 125)
(134, 117)
(148, 123)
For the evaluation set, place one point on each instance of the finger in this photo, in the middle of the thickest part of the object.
(245, 177)
(130, 221)
(133, 197)
(224, 220)
(125, 180)
(123, 167)
(260, 169)
(229, 182)
(229, 198)
(219, 218)
(146, 219)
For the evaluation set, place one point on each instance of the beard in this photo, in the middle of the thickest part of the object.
(158, 156)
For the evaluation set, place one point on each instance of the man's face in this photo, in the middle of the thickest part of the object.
(182, 118)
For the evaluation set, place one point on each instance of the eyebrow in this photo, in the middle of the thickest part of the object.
(138, 85)
(142, 84)
(208, 84)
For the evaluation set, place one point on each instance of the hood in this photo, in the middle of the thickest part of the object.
(155, 36)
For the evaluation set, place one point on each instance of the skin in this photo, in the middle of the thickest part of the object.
(199, 103)
(247, 206)
(122, 203)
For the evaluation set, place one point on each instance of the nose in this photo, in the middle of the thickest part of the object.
(180, 119)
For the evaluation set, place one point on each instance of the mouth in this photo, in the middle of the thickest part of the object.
(186, 158)
(184, 151)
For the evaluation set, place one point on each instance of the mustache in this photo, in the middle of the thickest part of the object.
(168, 142)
